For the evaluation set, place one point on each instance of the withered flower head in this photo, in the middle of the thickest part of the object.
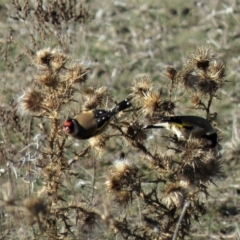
(53, 59)
(216, 71)
(121, 174)
(58, 59)
(150, 102)
(200, 163)
(207, 86)
(77, 73)
(174, 195)
(30, 102)
(202, 58)
(141, 85)
(193, 147)
(90, 103)
(43, 57)
(211, 167)
(48, 79)
(98, 143)
(94, 97)
(188, 77)
(123, 166)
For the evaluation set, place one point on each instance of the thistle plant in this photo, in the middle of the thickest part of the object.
(148, 187)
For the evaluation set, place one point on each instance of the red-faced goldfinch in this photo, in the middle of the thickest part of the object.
(185, 126)
(90, 123)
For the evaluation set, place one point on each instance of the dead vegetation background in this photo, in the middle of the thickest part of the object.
(64, 56)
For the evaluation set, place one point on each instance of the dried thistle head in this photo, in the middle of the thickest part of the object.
(94, 97)
(188, 78)
(192, 151)
(58, 60)
(153, 104)
(201, 59)
(174, 195)
(98, 143)
(52, 59)
(206, 85)
(216, 71)
(77, 73)
(123, 168)
(48, 79)
(140, 86)
(43, 57)
(90, 104)
(203, 73)
(199, 162)
(122, 174)
(211, 167)
(31, 102)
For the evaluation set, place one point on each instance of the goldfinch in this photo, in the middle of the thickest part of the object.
(88, 124)
(185, 126)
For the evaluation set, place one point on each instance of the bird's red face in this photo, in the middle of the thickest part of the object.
(68, 126)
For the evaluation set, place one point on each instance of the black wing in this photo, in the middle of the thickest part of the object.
(102, 116)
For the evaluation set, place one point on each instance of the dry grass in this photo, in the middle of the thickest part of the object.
(61, 58)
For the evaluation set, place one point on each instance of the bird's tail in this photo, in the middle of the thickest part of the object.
(122, 106)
